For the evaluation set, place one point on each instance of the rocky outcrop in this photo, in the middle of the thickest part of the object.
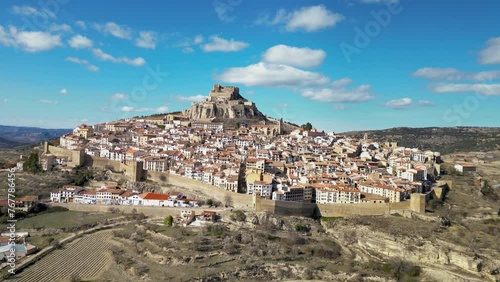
(224, 102)
(439, 259)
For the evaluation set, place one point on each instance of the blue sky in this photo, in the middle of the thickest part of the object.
(341, 65)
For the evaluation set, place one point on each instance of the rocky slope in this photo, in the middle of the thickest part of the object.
(224, 102)
(439, 259)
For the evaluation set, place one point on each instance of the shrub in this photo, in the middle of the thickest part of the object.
(31, 165)
(56, 244)
(57, 209)
(38, 207)
(301, 228)
(215, 230)
(141, 268)
(113, 210)
(435, 203)
(169, 220)
(238, 215)
(210, 202)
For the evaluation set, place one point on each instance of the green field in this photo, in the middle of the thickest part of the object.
(68, 220)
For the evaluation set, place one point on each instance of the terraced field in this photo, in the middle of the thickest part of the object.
(84, 258)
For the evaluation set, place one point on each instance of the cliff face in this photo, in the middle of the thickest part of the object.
(224, 102)
(440, 260)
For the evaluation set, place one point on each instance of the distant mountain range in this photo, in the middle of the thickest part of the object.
(13, 136)
(441, 139)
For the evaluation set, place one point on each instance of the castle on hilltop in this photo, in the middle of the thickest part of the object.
(221, 93)
(224, 102)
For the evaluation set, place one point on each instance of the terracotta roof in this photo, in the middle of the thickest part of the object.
(154, 196)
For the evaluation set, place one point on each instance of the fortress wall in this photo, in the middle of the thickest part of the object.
(156, 176)
(61, 152)
(103, 163)
(400, 205)
(344, 210)
(242, 201)
(328, 210)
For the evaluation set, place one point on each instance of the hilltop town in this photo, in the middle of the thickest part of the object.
(255, 157)
(256, 187)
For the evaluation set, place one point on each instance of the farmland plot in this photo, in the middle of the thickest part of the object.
(84, 258)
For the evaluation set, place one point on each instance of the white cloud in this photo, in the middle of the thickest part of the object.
(264, 74)
(358, 94)
(341, 82)
(403, 103)
(294, 56)
(223, 45)
(425, 103)
(115, 30)
(139, 61)
(188, 43)
(439, 73)
(455, 74)
(198, 39)
(76, 60)
(29, 41)
(486, 75)
(90, 67)
(379, 1)
(30, 11)
(45, 101)
(144, 109)
(60, 27)
(483, 89)
(162, 109)
(80, 42)
(196, 98)
(119, 96)
(81, 24)
(222, 10)
(188, 50)
(491, 54)
(127, 109)
(147, 39)
(63, 91)
(406, 103)
(4, 100)
(312, 18)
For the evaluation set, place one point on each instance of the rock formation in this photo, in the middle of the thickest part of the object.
(224, 102)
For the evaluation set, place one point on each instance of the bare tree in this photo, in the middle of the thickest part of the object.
(228, 200)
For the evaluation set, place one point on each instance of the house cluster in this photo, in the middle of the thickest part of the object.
(303, 166)
(15, 243)
(113, 195)
(21, 203)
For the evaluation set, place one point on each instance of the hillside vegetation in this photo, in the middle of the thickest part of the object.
(442, 139)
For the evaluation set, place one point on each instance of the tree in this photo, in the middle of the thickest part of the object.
(308, 126)
(31, 164)
(163, 177)
(169, 220)
(238, 215)
(228, 200)
(210, 202)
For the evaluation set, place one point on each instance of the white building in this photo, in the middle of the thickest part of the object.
(65, 195)
(337, 195)
(264, 188)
